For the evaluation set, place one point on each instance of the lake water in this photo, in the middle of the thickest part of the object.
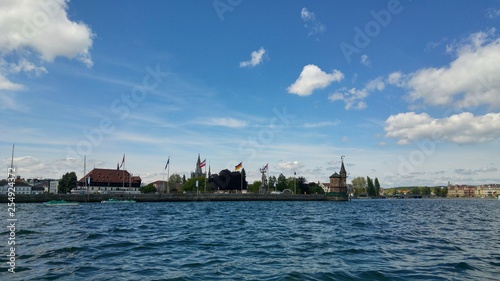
(360, 240)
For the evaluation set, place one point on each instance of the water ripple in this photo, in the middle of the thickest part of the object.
(358, 240)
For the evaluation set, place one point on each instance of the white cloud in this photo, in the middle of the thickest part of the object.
(27, 67)
(312, 78)
(256, 59)
(310, 22)
(224, 122)
(43, 27)
(5, 84)
(354, 98)
(34, 32)
(396, 79)
(366, 61)
(463, 128)
(492, 13)
(321, 124)
(475, 171)
(288, 166)
(472, 79)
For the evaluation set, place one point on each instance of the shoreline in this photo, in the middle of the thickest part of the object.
(94, 198)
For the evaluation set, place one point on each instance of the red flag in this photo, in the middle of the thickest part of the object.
(123, 161)
(203, 164)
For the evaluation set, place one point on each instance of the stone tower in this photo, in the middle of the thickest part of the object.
(338, 185)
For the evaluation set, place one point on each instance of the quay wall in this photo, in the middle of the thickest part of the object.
(39, 198)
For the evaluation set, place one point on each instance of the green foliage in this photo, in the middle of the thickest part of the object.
(254, 187)
(441, 192)
(314, 188)
(150, 188)
(359, 185)
(190, 184)
(370, 189)
(282, 183)
(67, 183)
(377, 187)
(302, 186)
(175, 182)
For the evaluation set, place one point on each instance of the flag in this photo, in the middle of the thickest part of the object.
(203, 164)
(294, 173)
(123, 161)
(266, 167)
(237, 167)
(168, 161)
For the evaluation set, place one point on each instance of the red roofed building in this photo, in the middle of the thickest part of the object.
(110, 181)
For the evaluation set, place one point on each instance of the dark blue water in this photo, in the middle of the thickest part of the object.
(358, 240)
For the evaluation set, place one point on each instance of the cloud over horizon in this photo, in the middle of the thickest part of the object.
(463, 128)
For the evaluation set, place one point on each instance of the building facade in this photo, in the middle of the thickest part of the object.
(108, 181)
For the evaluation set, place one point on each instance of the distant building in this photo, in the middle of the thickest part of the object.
(22, 186)
(53, 186)
(461, 190)
(487, 190)
(161, 186)
(338, 181)
(110, 181)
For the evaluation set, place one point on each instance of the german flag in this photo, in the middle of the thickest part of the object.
(237, 167)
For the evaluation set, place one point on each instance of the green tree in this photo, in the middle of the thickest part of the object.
(377, 187)
(441, 191)
(415, 191)
(254, 187)
(190, 184)
(425, 190)
(174, 182)
(67, 183)
(302, 186)
(150, 188)
(359, 185)
(370, 188)
(244, 179)
(282, 183)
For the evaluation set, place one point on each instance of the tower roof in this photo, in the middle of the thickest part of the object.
(335, 175)
(342, 168)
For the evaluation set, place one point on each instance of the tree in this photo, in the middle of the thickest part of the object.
(282, 183)
(302, 186)
(227, 180)
(254, 187)
(190, 184)
(377, 187)
(370, 189)
(359, 185)
(67, 183)
(174, 182)
(150, 188)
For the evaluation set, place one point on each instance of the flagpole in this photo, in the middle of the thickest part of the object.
(168, 176)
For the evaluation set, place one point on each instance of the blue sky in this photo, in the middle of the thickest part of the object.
(407, 91)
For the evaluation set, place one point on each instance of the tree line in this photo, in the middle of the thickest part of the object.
(366, 187)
